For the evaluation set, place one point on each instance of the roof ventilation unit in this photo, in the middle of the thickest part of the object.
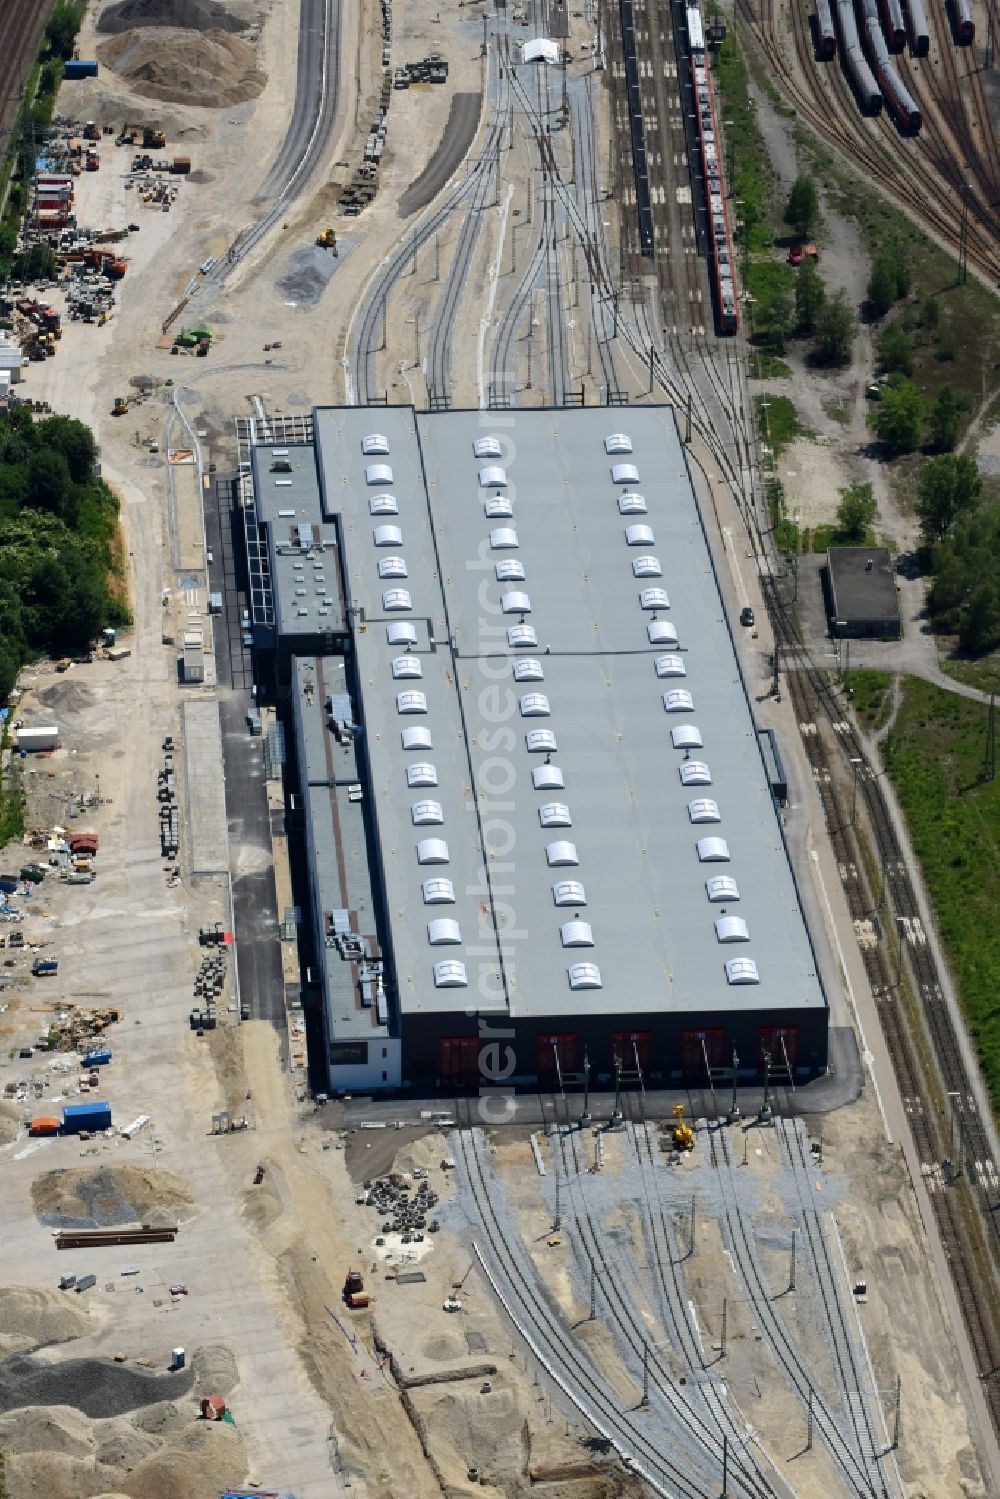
(584, 976)
(383, 504)
(576, 934)
(497, 507)
(492, 477)
(555, 815)
(569, 893)
(427, 814)
(686, 736)
(407, 666)
(704, 809)
(561, 852)
(732, 929)
(374, 444)
(630, 503)
(678, 700)
(396, 600)
(661, 632)
(540, 741)
(509, 572)
(522, 635)
(547, 778)
(713, 850)
(528, 670)
(450, 975)
(654, 598)
(515, 602)
(421, 773)
(742, 971)
(624, 473)
(411, 702)
(487, 447)
(401, 634)
(443, 931)
(535, 705)
(392, 567)
(388, 536)
(721, 887)
(695, 773)
(432, 851)
(378, 473)
(670, 666)
(639, 536)
(417, 739)
(504, 538)
(618, 442)
(438, 892)
(646, 567)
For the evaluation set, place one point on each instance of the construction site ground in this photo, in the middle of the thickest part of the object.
(321, 1396)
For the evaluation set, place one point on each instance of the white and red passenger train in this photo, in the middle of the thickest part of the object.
(720, 240)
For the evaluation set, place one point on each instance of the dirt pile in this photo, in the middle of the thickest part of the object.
(97, 1387)
(209, 68)
(83, 1197)
(59, 1453)
(31, 1319)
(10, 1116)
(187, 15)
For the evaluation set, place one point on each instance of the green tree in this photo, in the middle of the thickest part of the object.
(60, 32)
(889, 279)
(802, 209)
(942, 423)
(930, 314)
(810, 297)
(37, 263)
(856, 512)
(948, 487)
(895, 350)
(48, 481)
(73, 440)
(836, 327)
(898, 419)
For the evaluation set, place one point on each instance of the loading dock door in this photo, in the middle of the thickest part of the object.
(769, 1039)
(458, 1061)
(695, 1044)
(625, 1044)
(545, 1060)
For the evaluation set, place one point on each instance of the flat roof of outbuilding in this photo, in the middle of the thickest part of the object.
(598, 683)
(859, 591)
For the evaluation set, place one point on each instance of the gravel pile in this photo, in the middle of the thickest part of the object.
(82, 1197)
(189, 15)
(307, 273)
(211, 68)
(95, 1386)
(31, 1318)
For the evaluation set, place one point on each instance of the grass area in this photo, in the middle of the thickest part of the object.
(935, 755)
(748, 166)
(11, 795)
(984, 673)
(764, 366)
(872, 698)
(777, 422)
(825, 537)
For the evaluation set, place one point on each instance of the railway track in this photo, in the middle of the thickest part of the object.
(20, 34)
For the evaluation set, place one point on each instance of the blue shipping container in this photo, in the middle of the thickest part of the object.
(98, 1058)
(76, 67)
(90, 1116)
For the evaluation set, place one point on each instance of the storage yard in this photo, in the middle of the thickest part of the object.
(419, 352)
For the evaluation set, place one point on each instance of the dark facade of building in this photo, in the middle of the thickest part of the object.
(862, 601)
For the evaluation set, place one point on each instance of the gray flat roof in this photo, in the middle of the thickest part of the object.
(653, 926)
(305, 576)
(336, 842)
(857, 591)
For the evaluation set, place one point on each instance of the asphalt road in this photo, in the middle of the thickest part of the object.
(255, 901)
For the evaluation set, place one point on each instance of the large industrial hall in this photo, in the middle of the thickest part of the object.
(539, 825)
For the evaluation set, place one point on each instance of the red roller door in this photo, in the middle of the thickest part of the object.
(695, 1044)
(458, 1061)
(545, 1061)
(769, 1039)
(625, 1045)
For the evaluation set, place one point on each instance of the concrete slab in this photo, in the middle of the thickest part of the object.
(208, 830)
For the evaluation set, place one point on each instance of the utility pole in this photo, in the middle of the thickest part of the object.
(765, 1114)
(791, 1268)
(593, 1292)
(856, 761)
(725, 1465)
(963, 238)
(687, 423)
(557, 1223)
(722, 1334)
(416, 334)
(645, 1374)
(437, 257)
(585, 1116)
(652, 357)
(734, 1108)
(990, 758)
(691, 1238)
(895, 1422)
(809, 1422)
(616, 1112)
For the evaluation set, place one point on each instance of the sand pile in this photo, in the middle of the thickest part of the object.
(10, 1122)
(86, 1198)
(209, 68)
(61, 1455)
(31, 1319)
(189, 15)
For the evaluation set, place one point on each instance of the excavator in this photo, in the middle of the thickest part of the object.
(683, 1133)
(327, 240)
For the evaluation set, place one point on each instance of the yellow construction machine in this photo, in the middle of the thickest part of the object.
(683, 1133)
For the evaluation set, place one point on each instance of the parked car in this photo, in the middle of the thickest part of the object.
(746, 617)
